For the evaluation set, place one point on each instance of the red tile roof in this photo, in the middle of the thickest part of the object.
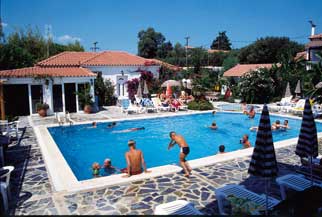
(314, 43)
(116, 58)
(241, 69)
(300, 55)
(166, 65)
(217, 51)
(46, 71)
(67, 58)
(316, 36)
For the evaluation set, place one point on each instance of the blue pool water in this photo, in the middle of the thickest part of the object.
(82, 145)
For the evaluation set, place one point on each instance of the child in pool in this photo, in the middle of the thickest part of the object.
(96, 169)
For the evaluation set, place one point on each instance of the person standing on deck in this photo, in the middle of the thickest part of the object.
(184, 151)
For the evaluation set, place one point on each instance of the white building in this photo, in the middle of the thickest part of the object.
(56, 80)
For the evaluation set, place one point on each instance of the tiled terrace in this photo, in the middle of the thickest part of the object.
(33, 194)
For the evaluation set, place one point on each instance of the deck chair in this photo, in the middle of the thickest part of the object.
(178, 207)
(148, 105)
(9, 128)
(157, 103)
(299, 107)
(127, 107)
(294, 181)
(241, 192)
(5, 173)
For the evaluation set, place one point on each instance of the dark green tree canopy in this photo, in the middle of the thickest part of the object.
(269, 50)
(25, 47)
(150, 42)
(221, 42)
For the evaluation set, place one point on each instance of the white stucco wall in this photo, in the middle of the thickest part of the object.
(111, 72)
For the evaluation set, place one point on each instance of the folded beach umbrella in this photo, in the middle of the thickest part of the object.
(288, 90)
(139, 92)
(172, 83)
(298, 87)
(263, 162)
(145, 89)
(307, 145)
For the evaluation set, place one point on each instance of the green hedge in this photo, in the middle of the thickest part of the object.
(200, 105)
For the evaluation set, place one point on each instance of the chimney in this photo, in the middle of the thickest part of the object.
(312, 27)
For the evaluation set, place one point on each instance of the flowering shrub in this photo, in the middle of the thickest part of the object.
(132, 87)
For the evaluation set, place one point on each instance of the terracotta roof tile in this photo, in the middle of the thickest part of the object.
(240, 69)
(46, 71)
(166, 65)
(217, 51)
(314, 44)
(316, 36)
(67, 58)
(300, 55)
(115, 58)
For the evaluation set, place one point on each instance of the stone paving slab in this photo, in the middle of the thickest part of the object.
(32, 191)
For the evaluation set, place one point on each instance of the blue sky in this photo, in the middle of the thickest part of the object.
(115, 24)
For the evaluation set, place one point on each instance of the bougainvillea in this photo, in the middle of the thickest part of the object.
(132, 87)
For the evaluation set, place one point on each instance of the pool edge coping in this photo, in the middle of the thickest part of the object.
(63, 178)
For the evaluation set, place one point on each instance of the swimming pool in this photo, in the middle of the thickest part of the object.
(81, 145)
(236, 107)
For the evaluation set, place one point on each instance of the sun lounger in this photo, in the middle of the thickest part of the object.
(241, 192)
(178, 207)
(157, 104)
(127, 107)
(297, 182)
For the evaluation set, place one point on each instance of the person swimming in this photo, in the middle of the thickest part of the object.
(221, 149)
(96, 169)
(111, 125)
(108, 168)
(251, 114)
(129, 130)
(213, 126)
(285, 126)
(94, 125)
(276, 125)
(245, 142)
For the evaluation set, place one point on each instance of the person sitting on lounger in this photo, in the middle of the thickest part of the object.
(175, 104)
(129, 130)
(213, 126)
(221, 149)
(135, 161)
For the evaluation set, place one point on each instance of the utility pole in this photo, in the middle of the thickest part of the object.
(187, 44)
(2, 39)
(95, 47)
(48, 33)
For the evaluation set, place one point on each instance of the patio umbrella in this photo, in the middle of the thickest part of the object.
(263, 162)
(288, 90)
(139, 92)
(169, 90)
(172, 83)
(145, 89)
(298, 87)
(307, 145)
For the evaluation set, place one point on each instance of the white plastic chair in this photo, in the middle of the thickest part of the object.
(297, 182)
(7, 175)
(127, 106)
(178, 207)
(5, 187)
(157, 103)
(241, 192)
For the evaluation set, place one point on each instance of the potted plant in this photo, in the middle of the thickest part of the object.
(42, 109)
(85, 99)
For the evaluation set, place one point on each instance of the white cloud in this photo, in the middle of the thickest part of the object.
(4, 24)
(68, 39)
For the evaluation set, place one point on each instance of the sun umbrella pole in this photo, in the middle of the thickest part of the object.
(311, 170)
(266, 197)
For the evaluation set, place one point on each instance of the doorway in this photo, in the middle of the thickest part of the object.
(16, 99)
(36, 97)
(57, 98)
(70, 97)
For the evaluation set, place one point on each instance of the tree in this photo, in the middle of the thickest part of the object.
(2, 38)
(149, 42)
(221, 42)
(164, 50)
(269, 50)
(230, 61)
(25, 47)
(100, 89)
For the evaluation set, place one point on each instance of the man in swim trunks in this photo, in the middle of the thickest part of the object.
(184, 151)
(135, 161)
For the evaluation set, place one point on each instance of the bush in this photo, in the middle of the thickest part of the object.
(200, 105)
(40, 106)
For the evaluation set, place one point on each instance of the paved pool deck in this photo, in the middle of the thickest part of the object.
(32, 191)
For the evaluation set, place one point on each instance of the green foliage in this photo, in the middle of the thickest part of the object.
(110, 99)
(257, 86)
(269, 50)
(221, 42)
(149, 42)
(207, 78)
(231, 60)
(100, 89)
(201, 105)
(84, 96)
(25, 47)
(243, 206)
(40, 106)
